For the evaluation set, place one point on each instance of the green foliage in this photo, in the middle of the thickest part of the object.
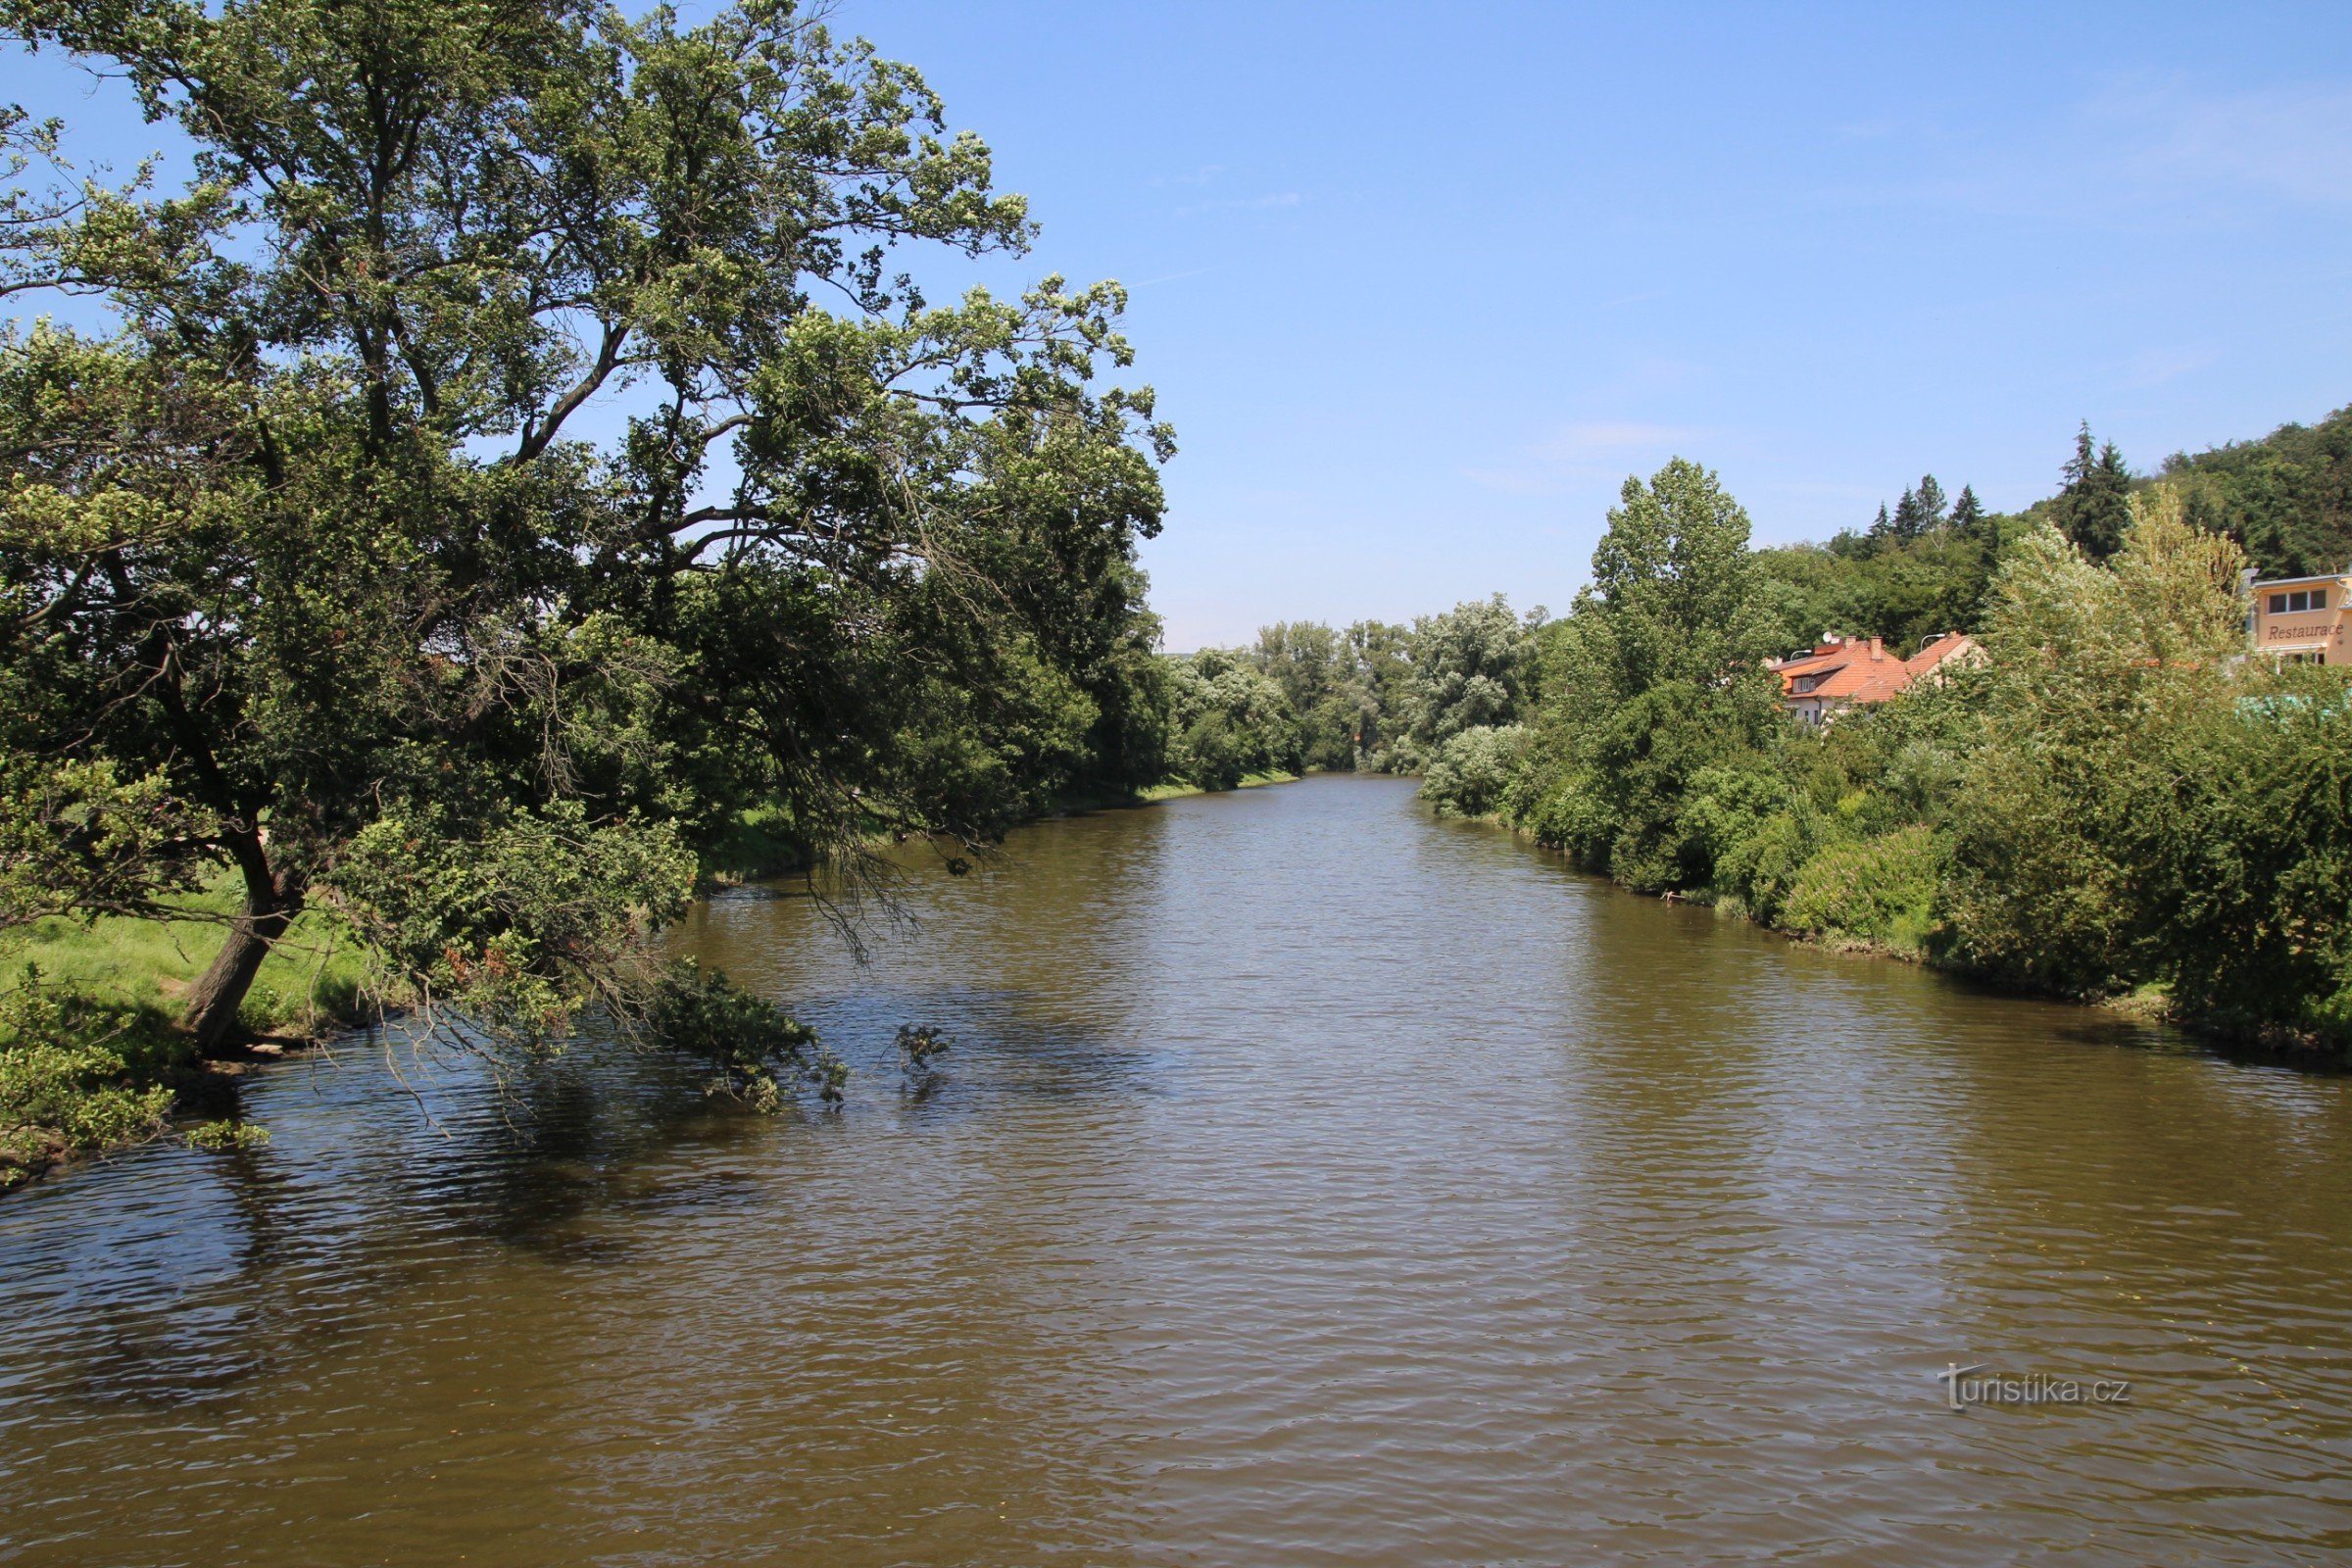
(1752, 830)
(1901, 589)
(1228, 720)
(518, 924)
(2115, 800)
(2092, 508)
(228, 1137)
(2072, 802)
(1912, 573)
(75, 1074)
(1882, 889)
(1673, 593)
(2147, 810)
(760, 1054)
(1314, 669)
(1383, 660)
(310, 570)
(1473, 768)
(1375, 696)
(2287, 498)
(1470, 670)
(2247, 914)
(1652, 682)
(919, 1050)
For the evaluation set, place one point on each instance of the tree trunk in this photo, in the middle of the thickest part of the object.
(269, 907)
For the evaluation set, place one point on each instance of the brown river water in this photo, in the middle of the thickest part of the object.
(1311, 1182)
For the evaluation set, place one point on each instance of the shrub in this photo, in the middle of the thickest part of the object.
(1882, 889)
(1471, 771)
(919, 1048)
(228, 1137)
(74, 1075)
(2245, 903)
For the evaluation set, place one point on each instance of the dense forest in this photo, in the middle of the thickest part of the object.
(347, 667)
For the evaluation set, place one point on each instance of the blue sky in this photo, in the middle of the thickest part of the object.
(1420, 285)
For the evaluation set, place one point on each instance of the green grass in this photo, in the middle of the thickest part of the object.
(310, 981)
(1171, 789)
(89, 1055)
(1176, 788)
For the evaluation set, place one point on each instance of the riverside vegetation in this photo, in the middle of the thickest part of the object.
(332, 622)
(348, 661)
(2115, 803)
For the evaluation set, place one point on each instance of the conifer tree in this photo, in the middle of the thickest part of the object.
(1968, 512)
(2093, 509)
(1906, 515)
(1931, 503)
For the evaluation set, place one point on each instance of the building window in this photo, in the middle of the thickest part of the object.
(2302, 599)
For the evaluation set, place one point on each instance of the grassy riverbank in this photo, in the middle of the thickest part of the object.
(91, 1054)
(1177, 789)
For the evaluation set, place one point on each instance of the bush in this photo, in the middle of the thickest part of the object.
(228, 1137)
(2247, 904)
(75, 1074)
(1880, 890)
(1733, 818)
(1471, 771)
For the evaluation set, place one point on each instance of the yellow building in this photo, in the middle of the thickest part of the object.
(2302, 621)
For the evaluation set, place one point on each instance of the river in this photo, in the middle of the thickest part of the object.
(1310, 1182)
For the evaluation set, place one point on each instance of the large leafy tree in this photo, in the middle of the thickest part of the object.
(1469, 670)
(2070, 831)
(516, 458)
(1655, 677)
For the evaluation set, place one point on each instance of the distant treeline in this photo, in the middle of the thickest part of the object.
(1921, 567)
(1374, 698)
(2113, 801)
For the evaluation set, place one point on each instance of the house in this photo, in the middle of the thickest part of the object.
(1841, 672)
(2301, 620)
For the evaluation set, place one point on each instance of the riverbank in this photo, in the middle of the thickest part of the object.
(1908, 936)
(91, 1054)
(1168, 789)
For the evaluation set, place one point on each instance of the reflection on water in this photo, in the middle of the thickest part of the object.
(1310, 1182)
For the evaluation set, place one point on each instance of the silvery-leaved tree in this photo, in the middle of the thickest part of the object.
(514, 461)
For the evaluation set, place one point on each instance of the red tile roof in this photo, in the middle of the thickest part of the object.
(1853, 669)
